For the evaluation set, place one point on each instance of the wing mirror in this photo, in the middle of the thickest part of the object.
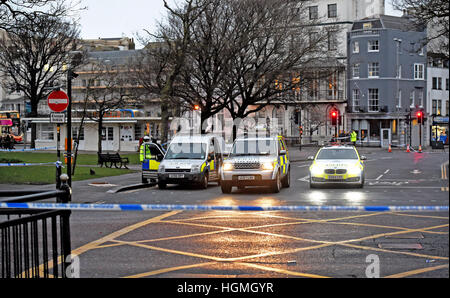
(282, 152)
(311, 157)
(363, 157)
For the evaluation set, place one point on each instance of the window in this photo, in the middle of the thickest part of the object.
(436, 107)
(446, 84)
(46, 132)
(332, 40)
(420, 99)
(411, 99)
(374, 69)
(313, 12)
(332, 10)
(75, 133)
(356, 47)
(439, 84)
(418, 71)
(355, 98)
(373, 100)
(355, 70)
(446, 108)
(434, 84)
(373, 46)
(313, 38)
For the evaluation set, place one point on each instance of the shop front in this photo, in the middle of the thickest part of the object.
(439, 130)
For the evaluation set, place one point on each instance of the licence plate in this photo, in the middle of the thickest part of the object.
(246, 178)
(336, 177)
(176, 176)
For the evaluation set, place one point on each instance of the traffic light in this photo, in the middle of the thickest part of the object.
(419, 115)
(334, 114)
(196, 107)
(300, 128)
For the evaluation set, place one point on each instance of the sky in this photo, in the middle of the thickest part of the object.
(117, 18)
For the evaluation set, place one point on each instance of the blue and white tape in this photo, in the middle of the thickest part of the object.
(136, 207)
(26, 164)
(26, 150)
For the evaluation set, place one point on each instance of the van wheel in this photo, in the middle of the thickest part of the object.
(287, 179)
(276, 184)
(226, 187)
(144, 180)
(204, 183)
(162, 185)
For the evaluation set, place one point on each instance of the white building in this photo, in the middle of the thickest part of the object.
(438, 95)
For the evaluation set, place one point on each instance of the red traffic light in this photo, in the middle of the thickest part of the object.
(419, 114)
(196, 107)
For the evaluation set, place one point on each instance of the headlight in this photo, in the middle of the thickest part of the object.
(161, 169)
(227, 166)
(267, 165)
(195, 168)
(316, 170)
(354, 170)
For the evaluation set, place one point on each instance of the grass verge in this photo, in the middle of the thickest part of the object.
(47, 174)
(42, 157)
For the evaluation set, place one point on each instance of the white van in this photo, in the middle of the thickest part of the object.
(191, 159)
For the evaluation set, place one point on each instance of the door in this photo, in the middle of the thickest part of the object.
(385, 137)
(213, 161)
(108, 138)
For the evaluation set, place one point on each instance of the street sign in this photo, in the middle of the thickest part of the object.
(57, 117)
(58, 101)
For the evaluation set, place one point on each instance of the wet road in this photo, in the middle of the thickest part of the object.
(273, 244)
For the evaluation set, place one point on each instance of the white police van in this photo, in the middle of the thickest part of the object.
(191, 159)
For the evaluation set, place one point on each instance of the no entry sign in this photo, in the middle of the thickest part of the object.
(58, 101)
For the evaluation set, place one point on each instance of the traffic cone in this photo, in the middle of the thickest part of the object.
(407, 148)
(420, 148)
(390, 149)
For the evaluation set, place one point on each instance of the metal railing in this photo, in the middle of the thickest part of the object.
(35, 243)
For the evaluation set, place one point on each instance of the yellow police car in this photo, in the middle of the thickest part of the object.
(257, 161)
(339, 164)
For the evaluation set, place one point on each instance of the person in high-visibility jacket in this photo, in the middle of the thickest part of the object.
(142, 154)
(353, 137)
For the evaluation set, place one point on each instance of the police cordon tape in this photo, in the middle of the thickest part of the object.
(136, 207)
(26, 164)
(26, 150)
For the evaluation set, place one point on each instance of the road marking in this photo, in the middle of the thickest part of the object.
(283, 271)
(304, 166)
(387, 171)
(417, 271)
(165, 270)
(379, 177)
(94, 244)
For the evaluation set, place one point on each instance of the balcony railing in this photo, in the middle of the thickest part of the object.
(314, 96)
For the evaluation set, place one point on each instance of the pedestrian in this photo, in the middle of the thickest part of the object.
(353, 137)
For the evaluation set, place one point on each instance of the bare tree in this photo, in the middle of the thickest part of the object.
(112, 93)
(11, 10)
(34, 55)
(208, 58)
(277, 44)
(434, 14)
(169, 50)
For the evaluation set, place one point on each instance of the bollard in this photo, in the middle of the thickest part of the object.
(67, 196)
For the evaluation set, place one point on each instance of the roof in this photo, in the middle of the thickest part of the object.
(403, 23)
(116, 57)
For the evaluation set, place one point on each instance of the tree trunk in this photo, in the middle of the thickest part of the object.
(33, 114)
(164, 122)
(100, 129)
